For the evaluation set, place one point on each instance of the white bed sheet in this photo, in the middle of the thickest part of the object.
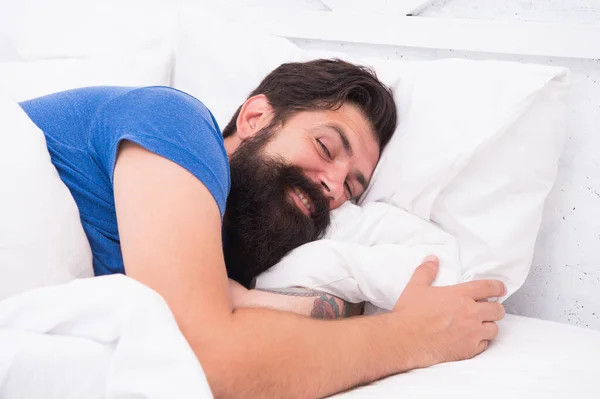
(530, 359)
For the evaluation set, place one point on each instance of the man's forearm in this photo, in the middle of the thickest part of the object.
(303, 301)
(276, 354)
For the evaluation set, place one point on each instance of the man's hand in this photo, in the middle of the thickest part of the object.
(448, 323)
(305, 302)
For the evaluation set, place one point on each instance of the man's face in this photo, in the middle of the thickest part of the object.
(285, 180)
(336, 150)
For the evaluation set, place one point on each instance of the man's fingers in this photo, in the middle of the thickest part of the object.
(490, 330)
(483, 289)
(425, 274)
(483, 345)
(490, 311)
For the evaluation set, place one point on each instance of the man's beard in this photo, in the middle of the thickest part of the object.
(262, 223)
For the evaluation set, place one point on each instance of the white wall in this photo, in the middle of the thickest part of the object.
(570, 11)
(564, 283)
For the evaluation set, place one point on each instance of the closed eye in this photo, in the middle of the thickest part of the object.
(350, 195)
(324, 148)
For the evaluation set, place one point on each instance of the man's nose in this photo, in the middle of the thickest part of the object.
(333, 185)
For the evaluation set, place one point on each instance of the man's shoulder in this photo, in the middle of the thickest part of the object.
(159, 96)
(174, 107)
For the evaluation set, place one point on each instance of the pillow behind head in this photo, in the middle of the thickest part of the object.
(220, 59)
(476, 152)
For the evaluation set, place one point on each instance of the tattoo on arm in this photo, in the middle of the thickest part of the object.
(325, 306)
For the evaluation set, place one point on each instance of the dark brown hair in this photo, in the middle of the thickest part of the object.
(326, 84)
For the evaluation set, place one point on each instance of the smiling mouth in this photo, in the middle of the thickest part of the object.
(302, 201)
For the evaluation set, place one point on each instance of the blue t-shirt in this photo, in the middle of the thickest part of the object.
(83, 129)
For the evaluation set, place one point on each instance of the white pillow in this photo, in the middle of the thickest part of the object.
(23, 80)
(47, 47)
(42, 241)
(495, 204)
(220, 61)
(33, 30)
(476, 152)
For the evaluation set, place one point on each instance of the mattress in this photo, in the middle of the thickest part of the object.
(530, 359)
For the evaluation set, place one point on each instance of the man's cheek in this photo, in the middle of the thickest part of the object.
(334, 204)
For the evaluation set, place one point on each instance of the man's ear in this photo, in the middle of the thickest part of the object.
(255, 114)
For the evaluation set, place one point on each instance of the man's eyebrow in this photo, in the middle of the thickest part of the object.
(344, 138)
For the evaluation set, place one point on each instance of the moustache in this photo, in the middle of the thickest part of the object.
(292, 177)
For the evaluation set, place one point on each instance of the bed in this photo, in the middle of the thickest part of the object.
(88, 349)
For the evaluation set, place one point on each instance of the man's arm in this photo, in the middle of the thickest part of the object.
(301, 301)
(170, 230)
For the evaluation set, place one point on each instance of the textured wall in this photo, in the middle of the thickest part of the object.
(571, 11)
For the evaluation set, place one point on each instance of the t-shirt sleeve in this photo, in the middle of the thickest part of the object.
(169, 123)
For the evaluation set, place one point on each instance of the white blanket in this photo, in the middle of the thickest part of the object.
(106, 337)
(111, 337)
